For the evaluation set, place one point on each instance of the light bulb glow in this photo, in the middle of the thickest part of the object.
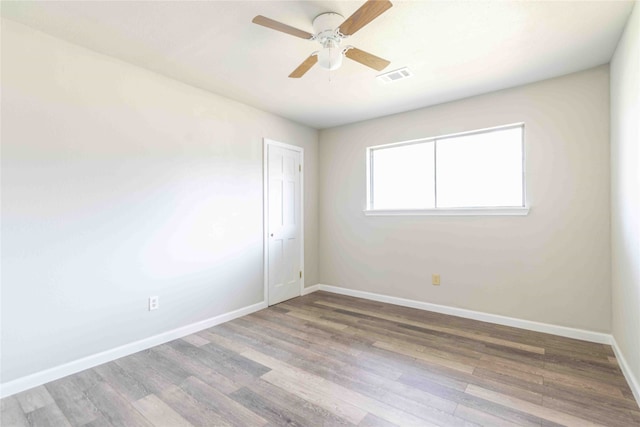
(330, 56)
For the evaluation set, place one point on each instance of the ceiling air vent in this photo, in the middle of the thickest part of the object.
(392, 76)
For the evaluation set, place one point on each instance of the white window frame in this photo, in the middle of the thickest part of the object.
(466, 211)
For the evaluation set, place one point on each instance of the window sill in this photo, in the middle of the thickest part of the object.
(449, 212)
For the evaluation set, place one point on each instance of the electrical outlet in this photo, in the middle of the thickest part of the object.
(435, 279)
(154, 303)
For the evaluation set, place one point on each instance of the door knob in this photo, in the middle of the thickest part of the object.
(271, 234)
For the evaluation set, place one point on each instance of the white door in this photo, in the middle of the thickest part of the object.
(284, 223)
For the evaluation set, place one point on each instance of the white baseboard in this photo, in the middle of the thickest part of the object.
(634, 383)
(563, 331)
(57, 372)
(310, 289)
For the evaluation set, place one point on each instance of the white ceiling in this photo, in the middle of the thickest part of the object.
(455, 49)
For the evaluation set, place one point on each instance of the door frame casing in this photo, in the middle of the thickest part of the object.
(265, 211)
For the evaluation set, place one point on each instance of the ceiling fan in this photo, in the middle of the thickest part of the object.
(330, 30)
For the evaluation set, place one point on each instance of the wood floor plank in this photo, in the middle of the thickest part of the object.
(208, 360)
(274, 412)
(86, 379)
(410, 366)
(318, 320)
(11, 414)
(510, 414)
(328, 347)
(173, 372)
(594, 411)
(413, 401)
(576, 381)
(564, 390)
(33, 399)
(481, 376)
(452, 331)
(144, 374)
(280, 317)
(318, 396)
(481, 418)
(78, 411)
(122, 382)
(114, 407)
(191, 409)
(482, 366)
(608, 371)
(420, 316)
(283, 373)
(606, 408)
(228, 408)
(456, 348)
(197, 369)
(159, 413)
(296, 347)
(549, 414)
(425, 412)
(64, 388)
(252, 339)
(373, 421)
(408, 351)
(508, 385)
(521, 366)
(615, 380)
(195, 339)
(313, 388)
(282, 349)
(48, 416)
(222, 341)
(416, 402)
(101, 421)
(321, 339)
(394, 334)
(333, 360)
(313, 414)
(237, 360)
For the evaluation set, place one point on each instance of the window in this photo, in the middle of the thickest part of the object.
(480, 171)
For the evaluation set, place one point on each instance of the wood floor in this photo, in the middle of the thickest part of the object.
(330, 360)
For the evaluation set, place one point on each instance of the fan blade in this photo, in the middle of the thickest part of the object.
(361, 17)
(304, 67)
(279, 26)
(367, 59)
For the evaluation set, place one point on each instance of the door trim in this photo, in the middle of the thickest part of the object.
(265, 211)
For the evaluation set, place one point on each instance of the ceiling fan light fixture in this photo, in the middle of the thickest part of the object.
(330, 29)
(330, 56)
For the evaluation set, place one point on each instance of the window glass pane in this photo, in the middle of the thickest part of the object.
(481, 170)
(403, 177)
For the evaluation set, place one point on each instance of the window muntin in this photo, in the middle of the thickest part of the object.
(479, 169)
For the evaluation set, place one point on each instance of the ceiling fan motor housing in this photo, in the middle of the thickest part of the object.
(325, 26)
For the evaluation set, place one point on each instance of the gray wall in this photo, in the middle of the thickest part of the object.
(625, 193)
(551, 266)
(119, 184)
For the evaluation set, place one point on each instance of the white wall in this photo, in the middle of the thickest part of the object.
(119, 184)
(625, 193)
(552, 266)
